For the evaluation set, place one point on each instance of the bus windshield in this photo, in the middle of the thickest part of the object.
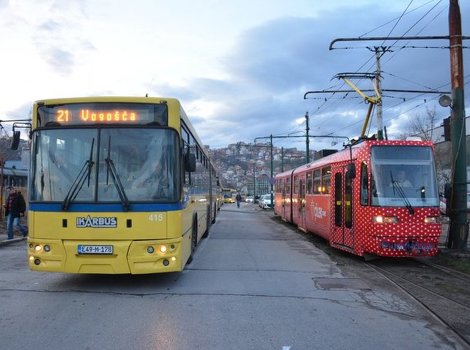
(105, 165)
(403, 176)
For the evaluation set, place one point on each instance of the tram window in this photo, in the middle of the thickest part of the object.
(316, 181)
(309, 183)
(296, 184)
(364, 185)
(326, 179)
(288, 185)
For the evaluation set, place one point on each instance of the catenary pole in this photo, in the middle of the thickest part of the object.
(458, 228)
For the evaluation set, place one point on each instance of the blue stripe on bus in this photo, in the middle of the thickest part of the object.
(110, 207)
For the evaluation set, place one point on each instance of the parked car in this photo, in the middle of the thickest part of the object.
(265, 201)
(249, 199)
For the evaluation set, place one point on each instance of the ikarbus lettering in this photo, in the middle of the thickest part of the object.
(106, 222)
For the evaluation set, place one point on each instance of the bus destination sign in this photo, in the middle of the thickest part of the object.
(102, 113)
(64, 116)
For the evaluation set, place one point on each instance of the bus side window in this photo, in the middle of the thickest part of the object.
(364, 185)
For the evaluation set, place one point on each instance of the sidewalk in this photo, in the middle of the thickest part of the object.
(17, 236)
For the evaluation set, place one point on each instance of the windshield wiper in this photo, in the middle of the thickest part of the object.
(77, 184)
(116, 179)
(396, 186)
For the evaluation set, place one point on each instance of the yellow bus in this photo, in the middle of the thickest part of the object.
(228, 194)
(118, 185)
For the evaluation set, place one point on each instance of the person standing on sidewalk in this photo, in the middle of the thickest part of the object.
(238, 198)
(14, 209)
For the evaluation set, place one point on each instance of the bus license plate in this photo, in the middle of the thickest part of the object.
(95, 249)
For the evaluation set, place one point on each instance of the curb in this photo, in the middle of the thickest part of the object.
(10, 241)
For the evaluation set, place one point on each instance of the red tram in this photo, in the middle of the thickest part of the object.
(360, 201)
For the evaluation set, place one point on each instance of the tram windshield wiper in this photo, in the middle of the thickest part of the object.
(77, 184)
(399, 189)
(116, 179)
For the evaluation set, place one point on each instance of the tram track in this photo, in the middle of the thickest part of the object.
(443, 292)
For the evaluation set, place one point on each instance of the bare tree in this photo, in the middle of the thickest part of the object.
(423, 126)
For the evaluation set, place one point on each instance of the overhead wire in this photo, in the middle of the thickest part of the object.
(417, 33)
(370, 58)
(405, 12)
(394, 19)
(396, 23)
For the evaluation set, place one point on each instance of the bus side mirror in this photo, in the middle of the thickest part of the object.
(190, 162)
(15, 141)
(351, 171)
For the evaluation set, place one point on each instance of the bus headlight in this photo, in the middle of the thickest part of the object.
(381, 219)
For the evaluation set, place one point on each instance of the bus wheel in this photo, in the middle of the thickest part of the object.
(208, 223)
(193, 240)
(214, 216)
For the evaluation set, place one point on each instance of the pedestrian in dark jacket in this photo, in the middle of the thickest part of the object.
(238, 198)
(14, 209)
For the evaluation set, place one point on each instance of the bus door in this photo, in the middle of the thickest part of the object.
(343, 230)
(302, 212)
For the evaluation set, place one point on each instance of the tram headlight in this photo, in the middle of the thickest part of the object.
(37, 248)
(430, 220)
(163, 249)
(381, 219)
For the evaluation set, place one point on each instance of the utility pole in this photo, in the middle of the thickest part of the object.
(254, 181)
(282, 159)
(458, 228)
(307, 140)
(271, 180)
(378, 86)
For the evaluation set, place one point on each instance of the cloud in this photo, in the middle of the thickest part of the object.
(273, 65)
(58, 36)
(256, 86)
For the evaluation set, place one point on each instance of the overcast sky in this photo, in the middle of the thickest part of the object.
(240, 68)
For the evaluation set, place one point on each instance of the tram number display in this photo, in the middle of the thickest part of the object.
(94, 249)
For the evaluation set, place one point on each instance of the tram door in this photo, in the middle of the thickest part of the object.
(343, 230)
(302, 212)
(283, 201)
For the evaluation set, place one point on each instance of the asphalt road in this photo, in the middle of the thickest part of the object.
(253, 284)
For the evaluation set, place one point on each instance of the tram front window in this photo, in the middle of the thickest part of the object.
(100, 165)
(403, 176)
